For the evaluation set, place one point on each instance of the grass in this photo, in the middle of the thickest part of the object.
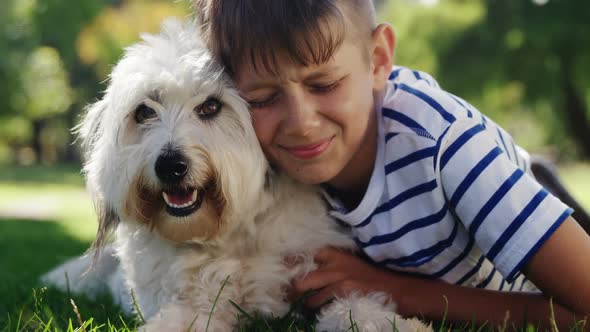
(577, 179)
(32, 244)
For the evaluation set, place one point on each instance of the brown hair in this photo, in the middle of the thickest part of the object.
(258, 31)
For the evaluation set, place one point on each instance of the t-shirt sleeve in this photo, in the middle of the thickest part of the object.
(408, 76)
(507, 212)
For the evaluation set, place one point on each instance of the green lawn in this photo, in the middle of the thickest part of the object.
(53, 219)
(45, 218)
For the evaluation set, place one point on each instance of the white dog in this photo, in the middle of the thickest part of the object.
(174, 165)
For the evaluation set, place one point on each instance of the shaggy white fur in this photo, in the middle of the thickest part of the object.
(174, 166)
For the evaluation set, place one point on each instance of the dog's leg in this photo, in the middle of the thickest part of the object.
(79, 276)
(263, 283)
(191, 291)
(181, 317)
(371, 313)
(197, 310)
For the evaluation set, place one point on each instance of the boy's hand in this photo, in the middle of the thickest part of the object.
(341, 273)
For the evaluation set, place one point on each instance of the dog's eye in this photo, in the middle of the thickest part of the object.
(209, 108)
(144, 113)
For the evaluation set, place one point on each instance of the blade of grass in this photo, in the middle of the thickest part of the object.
(136, 307)
(215, 302)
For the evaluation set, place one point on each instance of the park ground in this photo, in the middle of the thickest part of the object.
(46, 217)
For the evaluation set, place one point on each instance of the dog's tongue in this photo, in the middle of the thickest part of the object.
(180, 198)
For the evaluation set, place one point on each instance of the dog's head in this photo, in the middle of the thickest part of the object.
(171, 145)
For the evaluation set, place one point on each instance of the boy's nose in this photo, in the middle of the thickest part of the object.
(302, 117)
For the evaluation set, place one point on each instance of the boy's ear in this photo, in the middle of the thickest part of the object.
(383, 47)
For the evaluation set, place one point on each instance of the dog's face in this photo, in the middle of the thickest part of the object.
(171, 144)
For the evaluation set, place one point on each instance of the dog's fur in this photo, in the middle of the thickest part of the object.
(250, 217)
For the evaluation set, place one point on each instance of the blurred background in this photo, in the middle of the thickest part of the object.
(525, 63)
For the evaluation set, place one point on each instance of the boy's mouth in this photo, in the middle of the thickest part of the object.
(309, 151)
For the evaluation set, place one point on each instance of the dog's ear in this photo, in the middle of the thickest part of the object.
(201, 8)
(88, 131)
(107, 222)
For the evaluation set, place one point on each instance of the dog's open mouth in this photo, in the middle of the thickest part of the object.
(182, 203)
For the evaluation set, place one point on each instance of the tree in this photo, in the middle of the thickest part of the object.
(55, 53)
(542, 45)
(35, 67)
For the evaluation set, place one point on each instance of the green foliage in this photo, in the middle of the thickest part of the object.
(55, 54)
(59, 30)
(511, 59)
(508, 58)
(423, 31)
(543, 49)
(45, 84)
(101, 42)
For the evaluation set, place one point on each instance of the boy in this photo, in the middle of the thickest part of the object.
(436, 195)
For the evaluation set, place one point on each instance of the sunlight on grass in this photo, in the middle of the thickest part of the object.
(61, 175)
(577, 180)
(68, 205)
(48, 193)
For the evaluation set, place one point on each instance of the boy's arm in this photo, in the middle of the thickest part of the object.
(559, 268)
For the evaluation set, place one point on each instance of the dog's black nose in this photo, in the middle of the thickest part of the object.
(171, 167)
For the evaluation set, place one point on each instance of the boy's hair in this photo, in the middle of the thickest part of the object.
(259, 31)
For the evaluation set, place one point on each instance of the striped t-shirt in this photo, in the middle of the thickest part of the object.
(450, 196)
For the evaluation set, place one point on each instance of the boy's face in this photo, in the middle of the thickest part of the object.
(311, 121)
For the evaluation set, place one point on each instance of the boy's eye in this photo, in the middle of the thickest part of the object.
(325, 87)
(264, 102)
(144, 113)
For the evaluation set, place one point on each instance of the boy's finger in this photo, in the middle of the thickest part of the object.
(291, 294)
(322, 297)
(316, 280)
(326, 255)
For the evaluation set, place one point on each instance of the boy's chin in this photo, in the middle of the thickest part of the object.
(308, 176)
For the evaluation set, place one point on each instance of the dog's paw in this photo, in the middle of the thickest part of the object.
(410, 324)
(371, 313)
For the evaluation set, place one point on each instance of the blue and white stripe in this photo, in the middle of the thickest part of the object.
(450, 196)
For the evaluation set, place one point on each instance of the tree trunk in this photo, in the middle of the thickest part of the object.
(576, 116)
(37, 144)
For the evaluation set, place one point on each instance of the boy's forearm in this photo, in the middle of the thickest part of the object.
(437, 299)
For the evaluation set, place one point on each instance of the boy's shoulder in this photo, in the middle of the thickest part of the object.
(419, 118)
(415, 104)
(400, 74)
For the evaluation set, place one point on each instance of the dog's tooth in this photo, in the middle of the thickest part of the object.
(166, 198)
(180, 206)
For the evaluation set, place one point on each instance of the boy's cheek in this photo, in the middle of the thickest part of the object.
(263, 127)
